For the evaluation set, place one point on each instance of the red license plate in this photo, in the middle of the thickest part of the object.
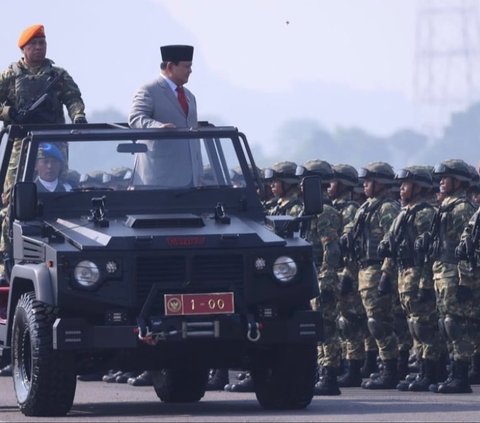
(190, 304)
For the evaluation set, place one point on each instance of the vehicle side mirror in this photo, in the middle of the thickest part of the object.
(312, 195)
(24, 201)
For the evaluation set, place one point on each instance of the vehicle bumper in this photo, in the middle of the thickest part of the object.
(76, 333)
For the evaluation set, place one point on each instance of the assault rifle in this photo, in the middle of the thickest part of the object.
(29, 109)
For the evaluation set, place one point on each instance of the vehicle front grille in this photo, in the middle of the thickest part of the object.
(195, 274)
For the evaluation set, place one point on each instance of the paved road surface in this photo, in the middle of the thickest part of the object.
(102, 402)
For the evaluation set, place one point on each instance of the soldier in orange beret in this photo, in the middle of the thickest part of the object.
(21, 85)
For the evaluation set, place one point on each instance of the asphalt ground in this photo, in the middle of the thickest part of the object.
(104, 402)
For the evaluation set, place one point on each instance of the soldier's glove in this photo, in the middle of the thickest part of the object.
(346, 285)
(425, 294)
(344, 243)
(385, 285)
(464, 293)
(79, 119)
(384, 249)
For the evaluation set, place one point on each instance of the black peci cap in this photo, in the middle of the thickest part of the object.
(176, 53)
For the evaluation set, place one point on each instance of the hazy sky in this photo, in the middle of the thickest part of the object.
(257, 62)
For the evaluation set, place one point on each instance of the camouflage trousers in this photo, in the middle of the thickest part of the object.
(329, 352)
(466, 315)
(353, 327)
(379, 309)
(400, 324)
(425, 314)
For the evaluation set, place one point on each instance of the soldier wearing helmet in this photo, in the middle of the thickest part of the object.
(361, 239)
(323, 232)
(352, 320)
(415, 283)
(473, 191)
(455, 290)
(285, 187)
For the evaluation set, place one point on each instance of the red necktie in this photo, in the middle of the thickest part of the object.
(182, 99)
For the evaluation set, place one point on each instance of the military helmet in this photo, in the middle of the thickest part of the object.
(346, 174)
(420, 175)
(378, 171)
(475, 177)
(285, 171)
(455, 168)
(316, 167)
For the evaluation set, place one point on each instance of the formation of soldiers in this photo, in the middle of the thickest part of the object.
(396, 255)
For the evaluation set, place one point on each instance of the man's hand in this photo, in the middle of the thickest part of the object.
(79, 119)
(385, 285)
(464, 293)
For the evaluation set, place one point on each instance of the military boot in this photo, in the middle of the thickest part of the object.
(426, 377)
(245, 385)
(404, 384)
(370, 363)
(458, 383)
(388, 378)
(143, 379)
(217, 379)
(327, 385)
(402, 364)
(353, 376)
(474, 373)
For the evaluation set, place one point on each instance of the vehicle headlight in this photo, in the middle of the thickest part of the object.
(284, 269)
(86, 274)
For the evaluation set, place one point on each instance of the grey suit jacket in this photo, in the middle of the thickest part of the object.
(177, 163)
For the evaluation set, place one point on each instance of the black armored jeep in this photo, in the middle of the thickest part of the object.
(146, 255)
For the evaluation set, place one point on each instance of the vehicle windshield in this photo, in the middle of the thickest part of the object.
(135, 165)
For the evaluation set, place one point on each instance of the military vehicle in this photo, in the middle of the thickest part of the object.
(165, 265)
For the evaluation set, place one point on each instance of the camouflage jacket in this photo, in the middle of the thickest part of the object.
(323, 233)
(291, 205)
(412, 221)
(20, 86)
(452, 218)
(470, 275)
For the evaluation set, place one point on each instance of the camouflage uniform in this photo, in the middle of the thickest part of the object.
(452, 286)
(19, 86)
(415, 284)
(372, 220)
(323, 233)
(290, 202)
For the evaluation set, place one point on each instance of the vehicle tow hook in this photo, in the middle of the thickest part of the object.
(253, 332)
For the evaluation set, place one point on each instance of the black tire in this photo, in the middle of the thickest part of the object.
(44, 379)
(284, 379)
(180, 384)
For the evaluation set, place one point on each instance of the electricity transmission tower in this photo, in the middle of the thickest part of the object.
(447, 61)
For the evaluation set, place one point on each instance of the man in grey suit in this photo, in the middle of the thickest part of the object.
(165, 103)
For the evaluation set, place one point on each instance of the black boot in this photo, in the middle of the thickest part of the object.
(426, 377)
(404, 384)
(327, 385)
(143, 379)
(388, 379)
(458, 383)
(370, 363)
(245, 385)
(353, 376)
(474, 373)
(402, 364)
(217, 379)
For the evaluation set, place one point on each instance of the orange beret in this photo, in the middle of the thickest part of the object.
(31, 32)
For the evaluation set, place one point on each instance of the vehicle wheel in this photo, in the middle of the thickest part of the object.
(180, 384)
(44, 379)
(284, 379)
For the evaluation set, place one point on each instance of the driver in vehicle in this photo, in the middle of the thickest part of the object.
(49, 169)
